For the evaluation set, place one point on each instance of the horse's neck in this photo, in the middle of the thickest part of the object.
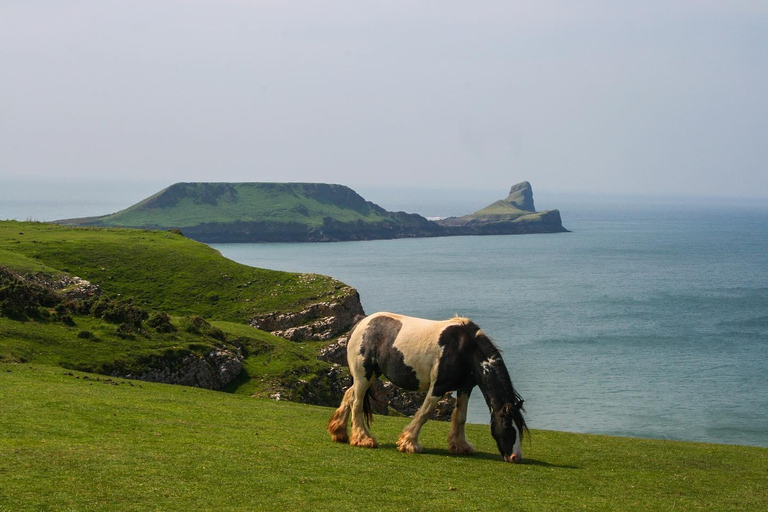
(494, 381)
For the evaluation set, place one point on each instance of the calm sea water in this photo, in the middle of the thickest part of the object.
(643, 322)
(647, 321)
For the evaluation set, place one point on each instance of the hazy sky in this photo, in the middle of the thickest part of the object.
(603, 96)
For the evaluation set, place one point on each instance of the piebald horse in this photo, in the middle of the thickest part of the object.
(434, 357)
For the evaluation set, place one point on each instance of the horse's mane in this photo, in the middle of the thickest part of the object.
(503, 382)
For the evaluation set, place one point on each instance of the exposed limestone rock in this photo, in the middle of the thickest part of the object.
(213, 371)
(521, 196)
(325, 388)
(74, 287)
(319, 322)
(407, 403)
(335, 352)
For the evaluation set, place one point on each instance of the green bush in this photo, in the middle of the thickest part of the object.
(161, 322)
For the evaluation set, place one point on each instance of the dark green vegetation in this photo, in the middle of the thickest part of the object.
(514, 215)
(154, 305)
(71, 441)
(265, 212)
(296, 212)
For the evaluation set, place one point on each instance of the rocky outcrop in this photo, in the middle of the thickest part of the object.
(325, 387)
(320, 321)
(514, 215)
(73, 287)
(521, 196)
(336, 352)
(540, 222)
(386, 395)
(213, 371)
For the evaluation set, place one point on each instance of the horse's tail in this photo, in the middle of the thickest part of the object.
(367, 409)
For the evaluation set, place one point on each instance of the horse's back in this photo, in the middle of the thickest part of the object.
(405, 349)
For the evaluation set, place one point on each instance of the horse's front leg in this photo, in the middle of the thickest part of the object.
(457, 439)
(408, 442)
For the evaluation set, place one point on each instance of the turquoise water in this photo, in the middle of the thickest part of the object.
(642, 322)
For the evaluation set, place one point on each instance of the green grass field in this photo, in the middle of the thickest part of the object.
(76, 441)
(72, 441)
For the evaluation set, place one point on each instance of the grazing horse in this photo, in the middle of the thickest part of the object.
(434, 357)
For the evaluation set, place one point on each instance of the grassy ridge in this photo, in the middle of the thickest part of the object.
(190, 204)
(161, 270)
(68, 442)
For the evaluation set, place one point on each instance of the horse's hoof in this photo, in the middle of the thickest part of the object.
(409, 447)
(406, 444)
(340, 438)
(462, 449)
(364, 442)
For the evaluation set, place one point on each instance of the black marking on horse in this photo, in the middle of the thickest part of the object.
(381, 357)
(505, 402)
(470, 358)
(455, 369)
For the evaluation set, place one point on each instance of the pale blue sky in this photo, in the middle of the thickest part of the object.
(600, 96)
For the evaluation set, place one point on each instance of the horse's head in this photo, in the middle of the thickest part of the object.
(507, 427)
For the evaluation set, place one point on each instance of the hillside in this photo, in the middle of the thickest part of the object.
(157, 306)
(302, 212)
(265, 212)
(84, 442)
(516, 214)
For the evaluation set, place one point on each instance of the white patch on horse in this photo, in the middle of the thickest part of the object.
(517, 449)
(417, 341)
(487, 365)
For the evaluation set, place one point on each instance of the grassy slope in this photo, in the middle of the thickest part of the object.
(190, 204)
(161, 270)
(196, 280)
(500, 207)
(71, 443)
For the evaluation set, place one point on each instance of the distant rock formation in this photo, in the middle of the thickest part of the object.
(515, 215)
(521, 196)
(311, 212)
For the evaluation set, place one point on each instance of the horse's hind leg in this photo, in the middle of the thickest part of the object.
(360, 434)
(408, 442)
(457, 440)
(337, 426)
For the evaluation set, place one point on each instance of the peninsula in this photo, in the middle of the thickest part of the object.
(310, 212)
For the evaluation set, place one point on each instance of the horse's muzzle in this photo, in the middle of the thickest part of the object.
(513, 458)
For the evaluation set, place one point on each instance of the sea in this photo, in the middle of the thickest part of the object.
(649, 319)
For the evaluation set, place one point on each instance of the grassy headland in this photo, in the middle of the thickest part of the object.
(71, 441)
(161, 270)
(163, 299)
(261, 212)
